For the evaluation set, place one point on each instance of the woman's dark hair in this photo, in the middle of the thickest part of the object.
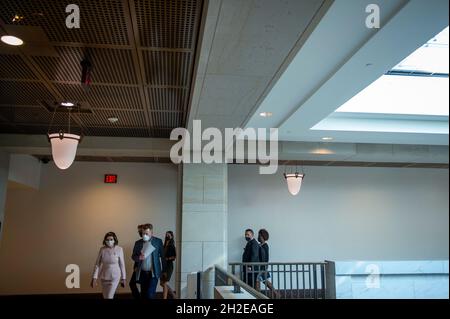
(264, 234)
(110, 234)
(171, 241)
(140, 229)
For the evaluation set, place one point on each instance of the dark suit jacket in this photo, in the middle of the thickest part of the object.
(158, 260)
(137, 244)
(251, 252)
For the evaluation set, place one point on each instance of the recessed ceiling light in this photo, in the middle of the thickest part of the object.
(17, 18)
(113, 119)
(11, 40)
(67, 104)
(327, 138)
(265, 114)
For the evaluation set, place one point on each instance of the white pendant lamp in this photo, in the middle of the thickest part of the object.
(64, 145)
(294, 182)
(64, 148)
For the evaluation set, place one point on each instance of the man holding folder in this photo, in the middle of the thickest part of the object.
(148, 253)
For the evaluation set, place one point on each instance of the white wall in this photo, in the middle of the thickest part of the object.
(65, 220)
(343, 213)
(25, 169)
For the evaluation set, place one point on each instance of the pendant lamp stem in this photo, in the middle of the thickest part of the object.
(70, 109)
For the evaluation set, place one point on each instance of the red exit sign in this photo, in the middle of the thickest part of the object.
(110, 179)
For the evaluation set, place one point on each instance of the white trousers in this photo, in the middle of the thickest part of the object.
(109, 288)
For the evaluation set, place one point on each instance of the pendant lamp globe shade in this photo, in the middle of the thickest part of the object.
(64, 148)
(294, 182)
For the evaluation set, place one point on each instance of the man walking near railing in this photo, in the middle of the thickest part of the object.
(251, 255)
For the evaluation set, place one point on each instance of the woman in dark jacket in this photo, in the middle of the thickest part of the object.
(264, 274)
(170, 255)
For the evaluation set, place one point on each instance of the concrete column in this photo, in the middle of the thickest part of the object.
(204, 222)
(4, 170)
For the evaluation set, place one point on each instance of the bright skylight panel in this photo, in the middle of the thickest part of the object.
(432, 57)
(408, 95)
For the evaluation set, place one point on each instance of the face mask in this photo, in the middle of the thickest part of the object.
(248, 238)
(167, 237)
(110, 243)
(146, 237)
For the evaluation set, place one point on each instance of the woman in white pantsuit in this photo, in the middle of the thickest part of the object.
(109, 267)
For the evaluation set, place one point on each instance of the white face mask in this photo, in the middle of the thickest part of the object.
(110, 243)
(146, 237)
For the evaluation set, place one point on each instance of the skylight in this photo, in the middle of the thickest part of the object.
(430, 58)
(397, 94)
(410, 95)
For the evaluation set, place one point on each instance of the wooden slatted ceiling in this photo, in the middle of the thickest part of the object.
(142, 51)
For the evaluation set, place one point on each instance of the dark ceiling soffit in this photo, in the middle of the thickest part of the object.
(156, 159)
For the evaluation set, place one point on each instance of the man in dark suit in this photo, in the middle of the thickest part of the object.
(133, 282)
(148, 254)
(251, 255)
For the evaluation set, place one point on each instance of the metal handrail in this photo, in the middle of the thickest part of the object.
(280, 263)
(237, 283)
(288, 279)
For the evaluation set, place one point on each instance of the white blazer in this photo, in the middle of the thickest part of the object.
(110, 264)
